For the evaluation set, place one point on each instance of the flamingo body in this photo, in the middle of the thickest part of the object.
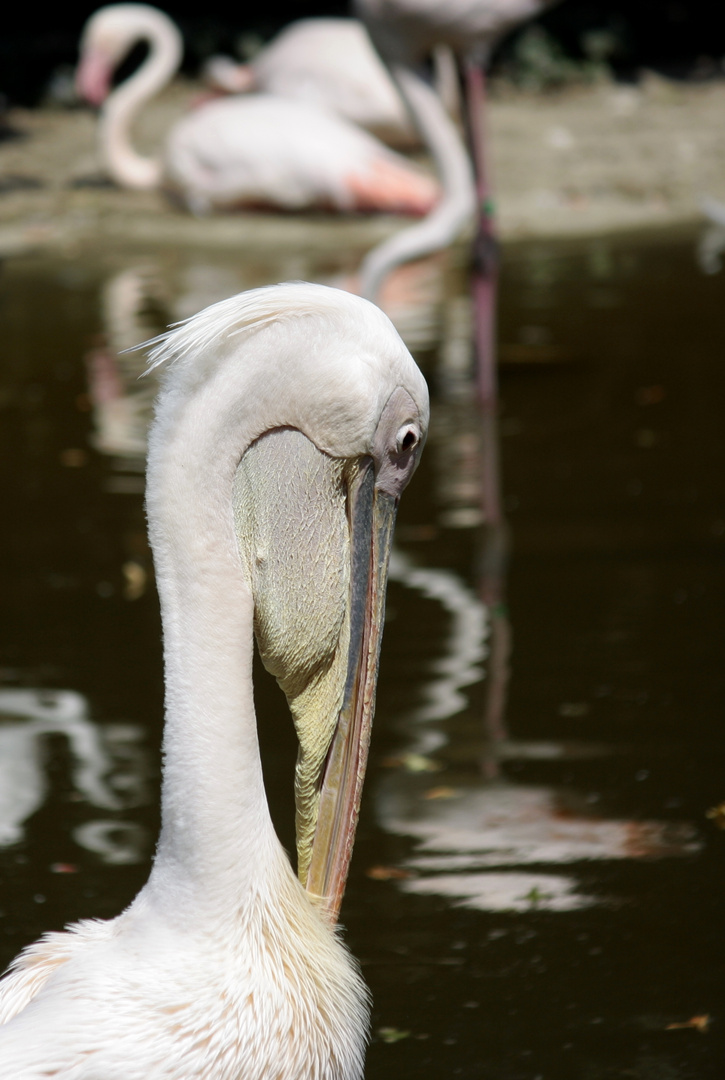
(279, 407)
(409, 29)
(329, 63)
(269, 150)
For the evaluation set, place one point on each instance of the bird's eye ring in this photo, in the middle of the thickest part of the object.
(406, 439)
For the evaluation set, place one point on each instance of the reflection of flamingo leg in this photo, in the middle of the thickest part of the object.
(492, 590)
(494, 542)
(490, 466)
(484, 287)
(492, 567)
(497, 676)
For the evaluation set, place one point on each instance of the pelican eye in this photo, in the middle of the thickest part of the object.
(406, 439)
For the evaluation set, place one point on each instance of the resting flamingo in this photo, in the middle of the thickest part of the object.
(290, 420)
(330, 63)
(255, 150)
(405, 32)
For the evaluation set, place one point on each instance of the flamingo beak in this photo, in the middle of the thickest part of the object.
(371, 515)
(93, 77)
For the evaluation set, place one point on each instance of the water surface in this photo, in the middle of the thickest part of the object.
(537, 889)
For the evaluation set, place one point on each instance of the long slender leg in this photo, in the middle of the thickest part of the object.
(494, 541)
(485, 250)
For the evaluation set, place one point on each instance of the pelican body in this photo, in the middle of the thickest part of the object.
(241, 151)
(289, 421)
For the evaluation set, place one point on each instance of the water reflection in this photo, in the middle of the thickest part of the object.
(473, 825)
(710, 248)
(475, 837)
(138, 301)
(466, 834)
(121, 401)
(464, 649)
(515, 811)
(108, 769)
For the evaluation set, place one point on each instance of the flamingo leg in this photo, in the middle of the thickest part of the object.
(485, 249)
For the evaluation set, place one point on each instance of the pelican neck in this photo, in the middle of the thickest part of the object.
(216, 832)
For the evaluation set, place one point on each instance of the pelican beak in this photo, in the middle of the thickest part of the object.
(314, 533)
(371, 514)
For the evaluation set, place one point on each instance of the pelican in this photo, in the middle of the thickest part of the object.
(247, 150)
(289, 421)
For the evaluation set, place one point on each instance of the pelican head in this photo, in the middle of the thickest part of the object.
(289, 421)
(323, 448)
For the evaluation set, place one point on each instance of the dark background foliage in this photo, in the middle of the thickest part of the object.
(679, 38)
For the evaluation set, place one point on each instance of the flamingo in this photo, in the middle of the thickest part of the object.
(330, 63)
(290, 419)
(235, 151)
(405, 32)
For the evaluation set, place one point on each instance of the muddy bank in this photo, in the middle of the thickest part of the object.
(590, 160)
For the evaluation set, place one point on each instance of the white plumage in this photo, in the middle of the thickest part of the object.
(329, 63)
(265, 150)
(223, 967)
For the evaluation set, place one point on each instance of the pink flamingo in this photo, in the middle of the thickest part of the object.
(238, 151)
(330, 63)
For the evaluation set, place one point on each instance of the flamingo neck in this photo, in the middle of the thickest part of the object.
(217, 844)
(458, 202)
(126, 165)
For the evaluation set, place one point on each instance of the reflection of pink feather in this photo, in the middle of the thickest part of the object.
(491, 843)
(506, 825)
(478, 844)
(104, 381)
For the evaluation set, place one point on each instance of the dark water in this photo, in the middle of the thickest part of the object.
(537, 890)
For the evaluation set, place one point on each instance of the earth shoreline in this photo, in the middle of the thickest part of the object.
(589, 160)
